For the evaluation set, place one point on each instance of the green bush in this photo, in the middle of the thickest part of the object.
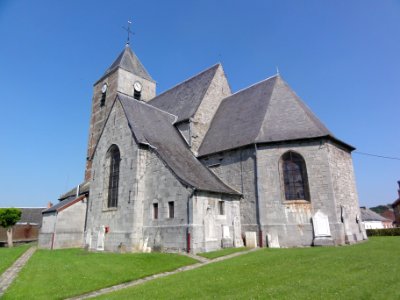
(384, 232)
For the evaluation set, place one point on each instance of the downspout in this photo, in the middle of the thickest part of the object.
(188, 237)
(260, 233)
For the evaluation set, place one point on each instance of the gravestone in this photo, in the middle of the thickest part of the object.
(348, 236)
(100, 238)
(273, 241)
(322, 232)
(237, 232)
(251, 239)
(226, 241)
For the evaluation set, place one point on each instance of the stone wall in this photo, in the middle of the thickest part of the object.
(118, 81)
(345, 192)
(237, 169)
(161, 187)
(216, 92)
(118, 220)
(207, 228)
(288, 223)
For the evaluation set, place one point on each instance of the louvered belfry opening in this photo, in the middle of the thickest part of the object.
(295, 176)
(115, 158)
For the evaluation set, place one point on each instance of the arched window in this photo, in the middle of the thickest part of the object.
(295, 176)
(114, 158)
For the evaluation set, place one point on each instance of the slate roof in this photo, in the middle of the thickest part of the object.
(62, 204)
(31, 215)
(155, 128)
(128, 61)
(184, 99)
(268, 111)
(369, 215)
(83, 189)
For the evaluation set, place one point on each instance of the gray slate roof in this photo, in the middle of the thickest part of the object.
(31, 215)
(83, 189)
(369, 215)
(268, 111)
(128, 61)
(155, 128)
(60, 205)
(184, 99)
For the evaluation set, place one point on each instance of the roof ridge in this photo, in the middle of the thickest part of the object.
(252, 85)
(147, 104)
(185, 81)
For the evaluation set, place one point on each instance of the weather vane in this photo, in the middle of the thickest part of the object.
(129, 32)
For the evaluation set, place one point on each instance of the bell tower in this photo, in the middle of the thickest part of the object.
(125, 75)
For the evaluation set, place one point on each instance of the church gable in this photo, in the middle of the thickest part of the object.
(154, 128)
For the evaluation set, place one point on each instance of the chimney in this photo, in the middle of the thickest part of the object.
(49, 204)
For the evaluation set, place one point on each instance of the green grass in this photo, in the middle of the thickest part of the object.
(65, 273)
(9, 255)
(223, 252)
(364, 271)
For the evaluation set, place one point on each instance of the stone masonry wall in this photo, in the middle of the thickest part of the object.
(237, 169)
(118, 81)
(119, 220)
(207, 224)
(345, 191)
(161, 186)
(217, 91)
(288, 223)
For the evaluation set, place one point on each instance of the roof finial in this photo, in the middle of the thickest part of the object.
(128, 30)
(277, 71)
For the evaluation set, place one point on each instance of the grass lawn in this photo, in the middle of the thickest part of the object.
(223, 252)
(364, 271)
(65, 273)
(9, 255)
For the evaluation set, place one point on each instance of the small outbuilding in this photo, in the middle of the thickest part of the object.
(64, 223)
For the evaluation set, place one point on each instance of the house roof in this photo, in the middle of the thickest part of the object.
(369, 215)
(184, 99)
(155, 128)
(31, 215)
(83, 189)
(266, 112)
(63, 204)
(128, 61)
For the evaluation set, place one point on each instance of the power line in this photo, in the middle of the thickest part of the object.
(375, 155)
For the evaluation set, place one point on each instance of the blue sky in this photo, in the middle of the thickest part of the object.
(341, 57)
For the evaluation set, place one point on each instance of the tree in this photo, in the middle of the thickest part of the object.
(8, 218)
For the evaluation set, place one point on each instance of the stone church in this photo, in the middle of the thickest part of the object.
(198, 168)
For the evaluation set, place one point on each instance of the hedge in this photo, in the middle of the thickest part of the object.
(384, 232)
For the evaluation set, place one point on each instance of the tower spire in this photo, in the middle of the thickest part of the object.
(129, 32)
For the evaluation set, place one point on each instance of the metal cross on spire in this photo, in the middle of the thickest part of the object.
(128, 30)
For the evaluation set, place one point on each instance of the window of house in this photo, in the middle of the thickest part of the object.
(294, 176)
(155, 211)
(221, 207)
(114, 162)
(171, 211)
